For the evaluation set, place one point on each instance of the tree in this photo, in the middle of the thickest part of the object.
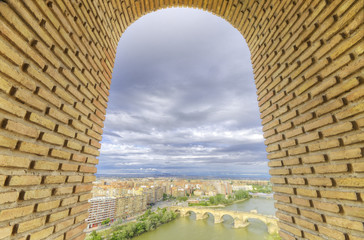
(274, 236)
(140, 228)
(130, 230)
(148, 225)
(220, 199)
(262, 189)
(166, 217)
(106, 221)
(94, 236)
(182, 199)
(241, 194)
(148, 221)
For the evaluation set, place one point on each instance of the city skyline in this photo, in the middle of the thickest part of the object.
(183, 92)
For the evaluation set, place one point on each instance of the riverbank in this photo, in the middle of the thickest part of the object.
(218, 205)
(147, 222)
(189, 228)
(228, 204)
(106, 227)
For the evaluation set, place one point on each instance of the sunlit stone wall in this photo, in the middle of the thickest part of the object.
(56, 60)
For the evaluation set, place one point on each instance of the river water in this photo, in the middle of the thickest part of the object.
(187, 228)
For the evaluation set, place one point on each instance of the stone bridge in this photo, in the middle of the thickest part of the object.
(240, 218)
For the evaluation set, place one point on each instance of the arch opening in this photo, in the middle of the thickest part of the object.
(227, 219)
(209, 216)
(162, 120)
(191, 214)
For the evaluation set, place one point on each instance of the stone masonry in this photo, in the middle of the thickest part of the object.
(56, 61)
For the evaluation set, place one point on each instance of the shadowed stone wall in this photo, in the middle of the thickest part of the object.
(56, 60)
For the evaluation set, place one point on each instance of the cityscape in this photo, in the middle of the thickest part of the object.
(120, 201)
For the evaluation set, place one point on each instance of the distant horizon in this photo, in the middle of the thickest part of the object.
(212, 177)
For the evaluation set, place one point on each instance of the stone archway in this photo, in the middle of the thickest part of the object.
(56, 60)
(221, 218)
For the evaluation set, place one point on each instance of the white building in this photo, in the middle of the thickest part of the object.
(101, 208)
(242, 187)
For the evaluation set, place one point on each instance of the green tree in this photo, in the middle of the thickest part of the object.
(220, 199)
(140, 228)
(119, 235)
(166, 217)
(241, 194)
(130, 230)
(148, 225)
(262, 189)
(274, 236)
(106, 221)
(147, 222)
(182, 199)
(94, 236)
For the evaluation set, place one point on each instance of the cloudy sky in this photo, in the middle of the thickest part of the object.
(182, 100)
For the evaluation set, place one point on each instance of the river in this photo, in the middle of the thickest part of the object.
(187, 228)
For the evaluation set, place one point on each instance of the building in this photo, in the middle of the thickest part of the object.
(198, 193)
(130, 205)
(159, 193)
(242, 187)
(101, 208)
(150, 194)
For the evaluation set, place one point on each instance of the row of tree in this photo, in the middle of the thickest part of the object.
(220, 198)
(241, 194)
(262, 189)
(147, 222)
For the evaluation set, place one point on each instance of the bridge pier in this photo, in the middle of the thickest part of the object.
(218, 219)
(184, 213)
(201, 216)
(272, 228)
(240, 218)
(240, 223)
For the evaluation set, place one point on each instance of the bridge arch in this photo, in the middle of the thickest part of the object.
(56, 59)
(257, 217)
(221, 217)
(207, 214)
(184, 213)
(189, 212)
(239, 219)
(217, 218)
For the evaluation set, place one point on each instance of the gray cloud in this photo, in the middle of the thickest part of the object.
(182, 93)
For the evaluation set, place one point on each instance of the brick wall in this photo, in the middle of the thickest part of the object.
(56, 60)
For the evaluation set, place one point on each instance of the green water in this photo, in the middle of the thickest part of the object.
(187, 228)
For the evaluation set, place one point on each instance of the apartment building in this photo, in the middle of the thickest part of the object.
(101, 208)
(130, 205)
